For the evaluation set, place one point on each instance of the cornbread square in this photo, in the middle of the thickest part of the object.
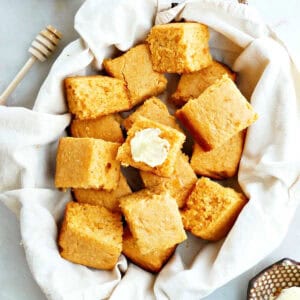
(173, 136)
(193, 84)
(153, 219)
(179, 184)
(87, 163)
(135, 67)
(153, 109)
(91, 236)
(179, 47)
(90, 97)
(152, 261)
(218, 114)
(212, 209)
(109, 200)
(106, 128)
(221, 162)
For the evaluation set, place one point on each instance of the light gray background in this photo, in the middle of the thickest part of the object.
(21, 20)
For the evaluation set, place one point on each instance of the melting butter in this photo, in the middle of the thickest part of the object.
(148, 147)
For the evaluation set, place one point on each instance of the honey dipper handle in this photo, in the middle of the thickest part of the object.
(17, 80)
(41, 48)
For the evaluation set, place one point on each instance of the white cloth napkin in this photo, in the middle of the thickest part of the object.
(269, 170)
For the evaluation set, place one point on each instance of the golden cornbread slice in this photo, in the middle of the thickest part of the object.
(87, 163)
(173, 136)
(153, 109)
(91, 236)
(109, 200)
(106, 128)
(90, 97)
(135, 68)
(179, 47)
(193, 84)
(153, 219)
(221, 162)
(211, 210)
(179, 184)
(218, 114)
(152, 261)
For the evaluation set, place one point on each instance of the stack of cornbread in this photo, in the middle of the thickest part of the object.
(106, 217)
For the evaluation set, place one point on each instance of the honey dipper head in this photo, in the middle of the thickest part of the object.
(45, 43)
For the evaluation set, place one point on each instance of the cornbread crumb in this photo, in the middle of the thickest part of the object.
(106, 128)
(135, 68)
(193, 84)
(109, 200)
(153, 219)
(153, 109)
(221, 162)
(152, 261)
(173, 136)
(90, 97)
(179, 184)
(87, 163)
(91, 236)
(179, 47)
(211, 210)
(218, 114)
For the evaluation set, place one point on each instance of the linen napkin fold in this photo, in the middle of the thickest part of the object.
(269, 170)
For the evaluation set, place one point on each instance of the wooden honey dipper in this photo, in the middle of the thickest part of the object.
(41, 48)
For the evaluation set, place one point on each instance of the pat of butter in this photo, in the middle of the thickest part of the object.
(148, 147)
(292, 293)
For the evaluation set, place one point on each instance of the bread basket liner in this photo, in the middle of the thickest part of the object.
(268, 174)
